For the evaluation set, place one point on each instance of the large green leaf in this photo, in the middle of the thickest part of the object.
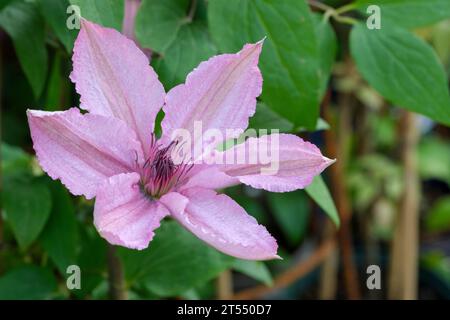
(174, 262)
(409, 13)
(191, 46)
(24, 24)
(28, 282)
(289, 60)
(319, 192)
(266, 118)
(55, 13)
(14, 160)
(159, 21)
(254, 269)
(108, 13)
(182, 41)
(327, 46)
(57, 86)
(403, 68)
(291, 211)
(27, 206)
(91, 260)
(59, 237)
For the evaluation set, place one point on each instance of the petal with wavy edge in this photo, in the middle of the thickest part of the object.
(123, 215)
(82, 150)
(222, 223)
(220, 92)
(114, 78)
(277, 162)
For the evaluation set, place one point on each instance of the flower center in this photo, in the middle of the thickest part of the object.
(160, 174)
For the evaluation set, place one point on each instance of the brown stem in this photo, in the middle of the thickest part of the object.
(335, 147)
(117, 290)
(330, 267)
(404, 250)
(291, 275)
(225, 285)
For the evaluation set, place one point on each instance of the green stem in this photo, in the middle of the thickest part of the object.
(335, 13)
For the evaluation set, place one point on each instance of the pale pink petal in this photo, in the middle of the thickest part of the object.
(220, 92)
(277, 162)
(209, 177)
(114, 78)
(174, 202)
(82, 150)
(221, 222)
(123, 215)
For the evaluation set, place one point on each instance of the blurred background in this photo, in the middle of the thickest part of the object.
(366, 81)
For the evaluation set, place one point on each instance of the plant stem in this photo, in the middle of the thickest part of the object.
(336, 148)
(291, 275)
(225, 285)
(403, 277)
(335, 13)
(192, 9)
(117, 290)
(328, 283)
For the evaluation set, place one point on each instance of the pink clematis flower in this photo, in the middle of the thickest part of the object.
(111, 153)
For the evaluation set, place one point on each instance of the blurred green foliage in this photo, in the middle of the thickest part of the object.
(46, 229)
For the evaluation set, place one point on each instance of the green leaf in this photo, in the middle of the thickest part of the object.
(320, 125)
(404, 69)
(183, 42)
(104, 12)
(159, 21)
(266, 118)
(254, 269)
(174, 262)
(409, 13)
(55, 13)
(191, 46)
(27, 207)
(318, 191)
(91, 259)
(327, 44)
(251, 205)
(291, 211)
(438, 219)
(14, 160)
(59, 237)
(28, 282)
(289, 59)
(23, 23)
(438, 262)
(57, 87)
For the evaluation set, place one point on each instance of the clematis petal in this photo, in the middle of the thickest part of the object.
(114, 78)
(220, 92)
(222, 223)
(123, 215)
(82, 150)
(277, 162)
(209, 177)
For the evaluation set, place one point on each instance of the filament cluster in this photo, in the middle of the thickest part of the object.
(159, 174)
